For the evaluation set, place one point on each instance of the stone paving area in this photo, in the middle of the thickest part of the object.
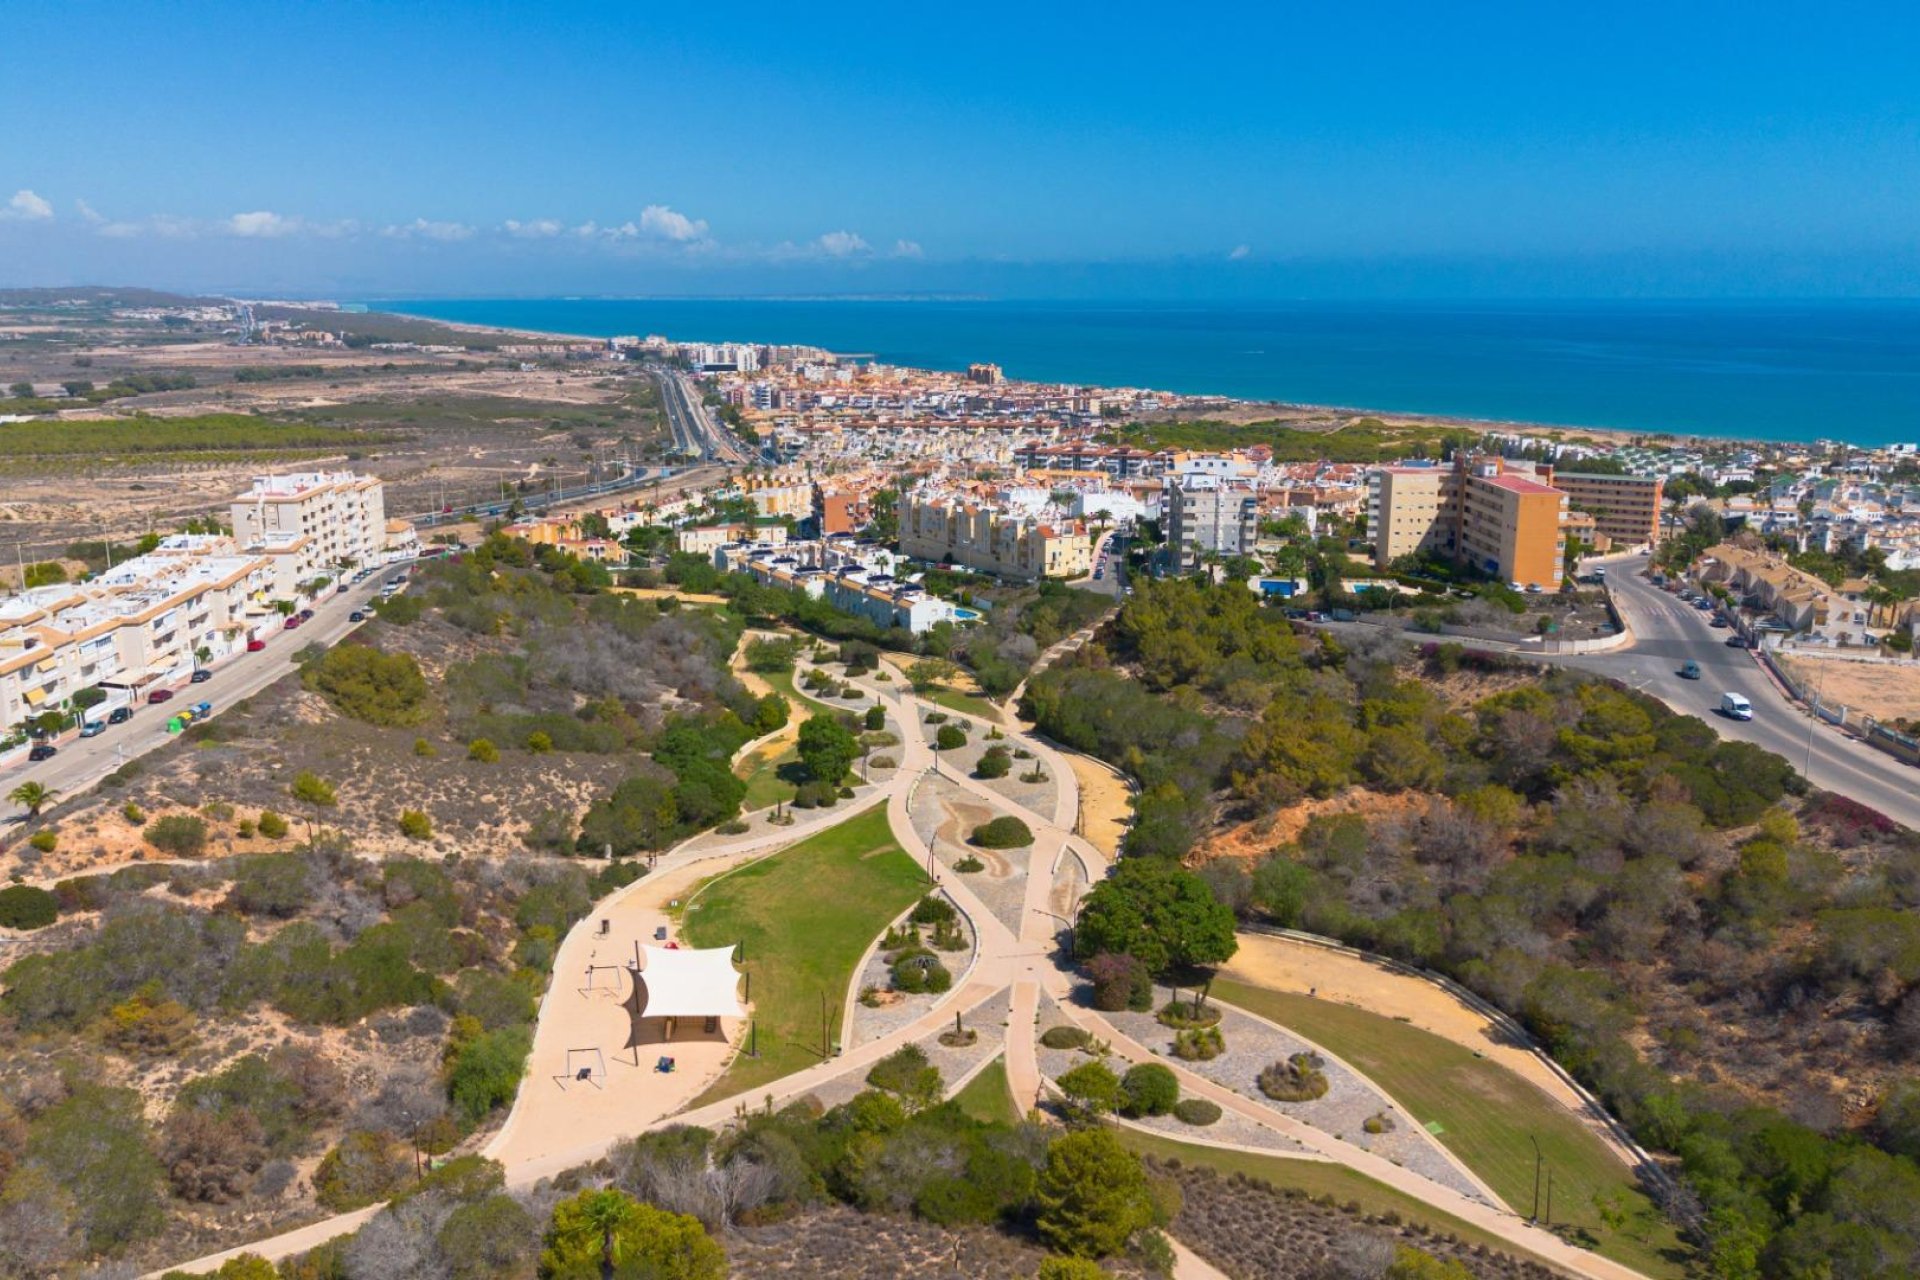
(945, 813)
(880, 1021)
(988, 1018)
(1230, 1128)
(1040, 797)
(1252, 1045)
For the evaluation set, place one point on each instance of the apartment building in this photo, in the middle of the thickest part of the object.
(978, 537)
(143, 622)
(1510, 526)
(779, 494)
(1625, 509)
(704, 540)
(853, 576)
(1208, 515)
(313, 524)
(568, 536)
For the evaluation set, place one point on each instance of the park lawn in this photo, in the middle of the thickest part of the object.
(805, 916)
(1490, 1119)
(987, 1097)
(1316, 1178)
(771, 776)
(971, 704)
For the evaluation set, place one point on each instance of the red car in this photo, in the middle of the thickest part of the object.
(255, 646)
(160, 695)
(291, 624)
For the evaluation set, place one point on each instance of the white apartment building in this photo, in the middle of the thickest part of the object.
(139, 624)
(313, 524)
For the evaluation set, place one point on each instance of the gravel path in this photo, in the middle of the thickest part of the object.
(945, 813)
(987, 1018)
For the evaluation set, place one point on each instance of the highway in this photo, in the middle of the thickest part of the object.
(81, 762)
(1668, 633)
(695, 431)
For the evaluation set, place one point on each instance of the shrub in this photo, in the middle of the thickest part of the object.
(310, 788)
(1091, 1088)
(936, 717)
(1036, 777)
(244, 829)
(486, 1071)
(1380, 1123)
(45, 840)
(995, 763)
(918, 969)
(133, 813)
(1148, 1089)
(1197, 1111)
(1003, 832)
(1065, 1037)
(1120, 981)
(1199, 1044)
(379, 688)
(876, 718)
(24, 906)
(1298, 1079)
(539, 742)
(932, 909)
(272, 825)
(950, 737)
(1092, 1196)
(363, 1168)
(424, 749)
(415, 825)
(483, 750)
(1179, 1014)
(815, 795)
(182, 835)
(908, 1075)
(969, 864)
(883, 762)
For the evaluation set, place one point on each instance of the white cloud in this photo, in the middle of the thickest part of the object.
(587, 230)
(27, 207)
(88, 214)
(537, 229)
(429, 230)
(908, 249)
(842, 244)
(659, 220)
(1240, 251)
(261, 224)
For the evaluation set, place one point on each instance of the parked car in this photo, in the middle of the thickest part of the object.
(1690, 671)
(93, 728)
(43, 751)
(120, 715)
(201, 676)
(291, 624)
(255, 646)
(305, 615)
(1737, 642)
(358, 615)
(1717, 622)
(160, 695)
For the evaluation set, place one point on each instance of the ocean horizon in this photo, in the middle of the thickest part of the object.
(1756, 370)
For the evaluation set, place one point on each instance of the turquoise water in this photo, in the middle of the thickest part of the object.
(1777, 371)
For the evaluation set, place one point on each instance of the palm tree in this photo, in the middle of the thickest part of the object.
(33, 797)
(607, 1214)
(201, 656)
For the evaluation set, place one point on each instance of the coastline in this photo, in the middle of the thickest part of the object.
(1250, 412)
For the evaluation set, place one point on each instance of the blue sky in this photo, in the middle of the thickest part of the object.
(1024, 150)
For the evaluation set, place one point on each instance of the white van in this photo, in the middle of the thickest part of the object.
(1735, 707)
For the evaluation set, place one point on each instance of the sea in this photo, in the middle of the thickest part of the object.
(1782, 371)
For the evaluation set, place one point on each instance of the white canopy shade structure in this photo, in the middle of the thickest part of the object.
(681, 983)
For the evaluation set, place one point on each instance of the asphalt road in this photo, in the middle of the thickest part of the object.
(694, 429)
(81, 762)
(1668, 633)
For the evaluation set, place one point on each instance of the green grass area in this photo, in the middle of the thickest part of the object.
(805, 916)
(1316, 1178)
(971, 704)
(987, 1096)
(1491, 1119)
(772, 778)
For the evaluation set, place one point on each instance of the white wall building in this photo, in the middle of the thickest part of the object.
(313, 524)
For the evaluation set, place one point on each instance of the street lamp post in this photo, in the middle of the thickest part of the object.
(1537, 1161)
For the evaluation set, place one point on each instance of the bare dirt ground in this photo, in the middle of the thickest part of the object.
(1106, 802)
(1261, 836)
(1890, 691)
